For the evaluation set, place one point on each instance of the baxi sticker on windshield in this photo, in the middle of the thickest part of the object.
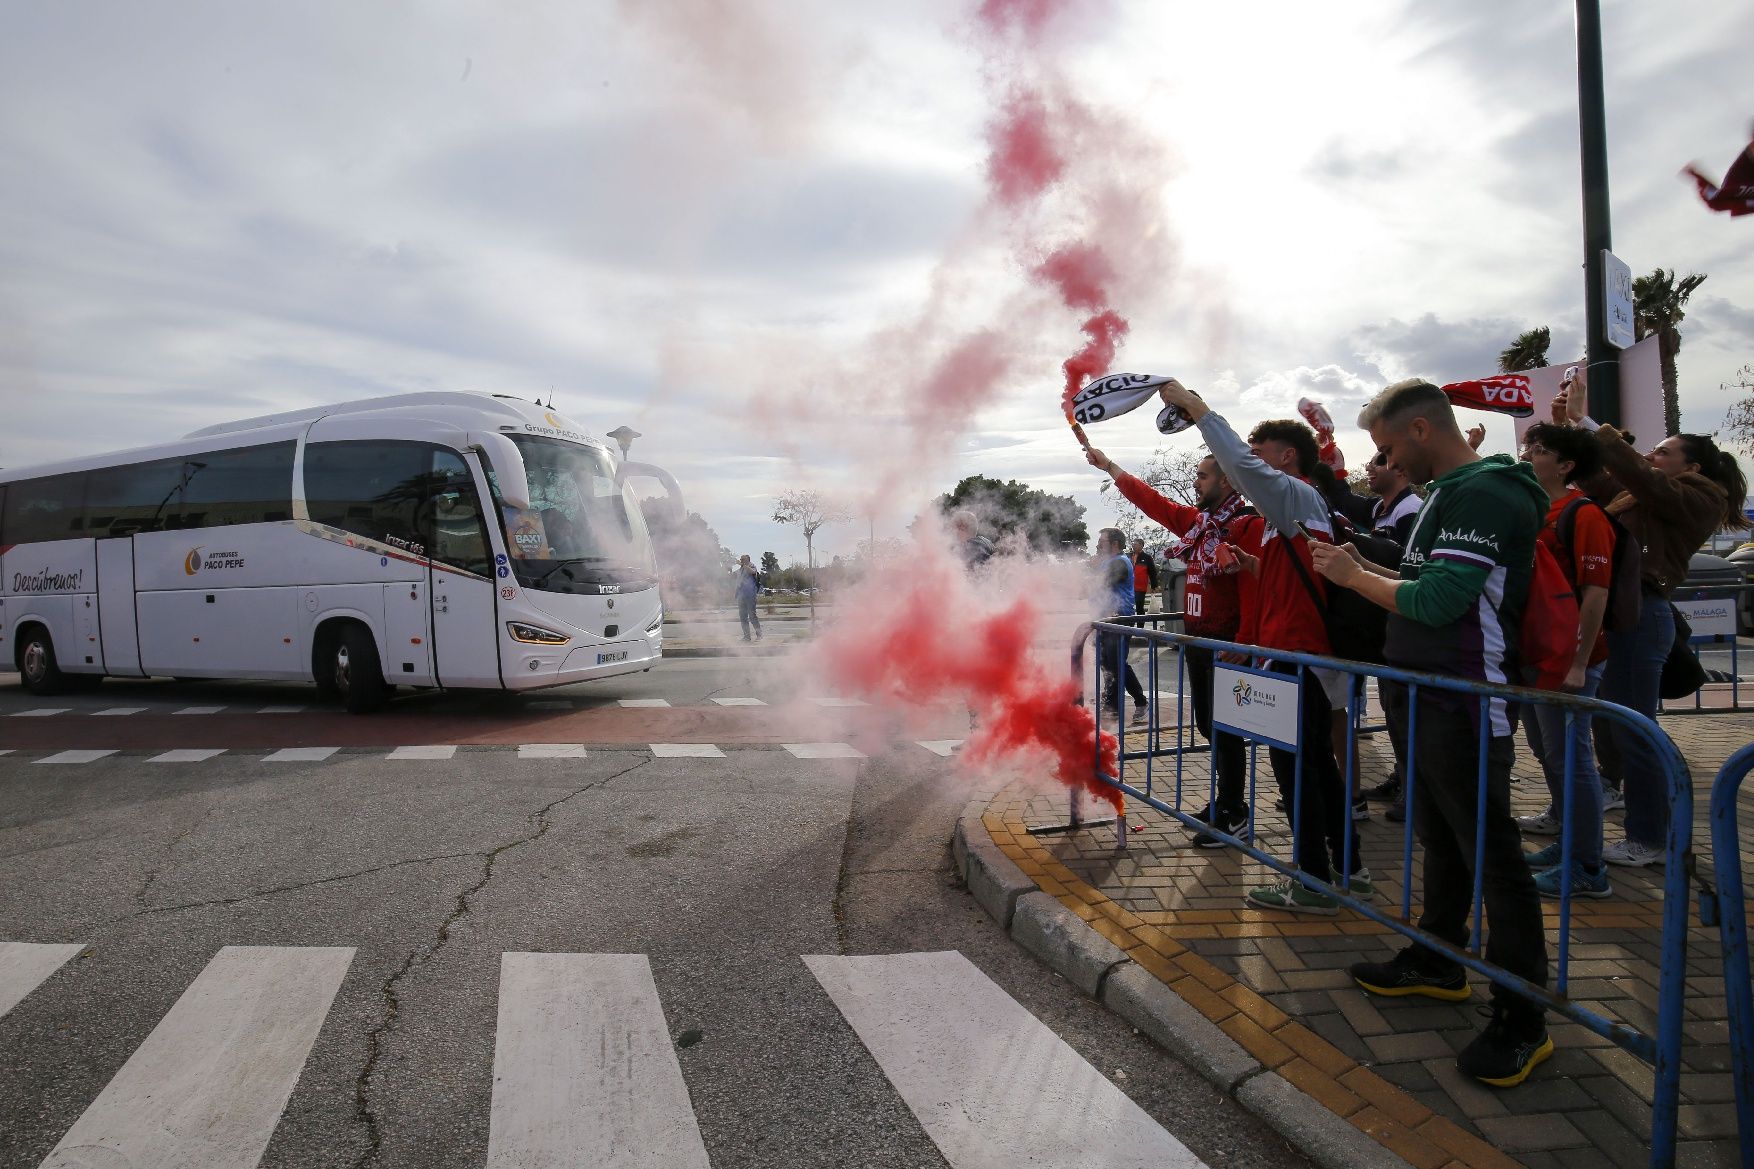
(529, 540)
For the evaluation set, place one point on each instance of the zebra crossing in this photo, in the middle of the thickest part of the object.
(831, 702)
(584, 1069)
(944, 748)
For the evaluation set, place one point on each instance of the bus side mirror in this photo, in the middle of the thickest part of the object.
(507, 463)
(628, 470)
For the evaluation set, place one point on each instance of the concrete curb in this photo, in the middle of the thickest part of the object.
(725, 651)
(1066, 944)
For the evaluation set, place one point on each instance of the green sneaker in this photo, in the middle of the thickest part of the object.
(1291, 896)
(1362, 886)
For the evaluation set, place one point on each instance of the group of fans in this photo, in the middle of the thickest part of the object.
(1434, 575)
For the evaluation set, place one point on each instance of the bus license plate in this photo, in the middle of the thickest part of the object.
(617, 656)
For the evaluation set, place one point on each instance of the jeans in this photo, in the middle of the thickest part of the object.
(747, 616)
(1445, 749)
(1633, 679)
(1230, 749)
(1582, 800)
(1325, 821)
(1111, 648)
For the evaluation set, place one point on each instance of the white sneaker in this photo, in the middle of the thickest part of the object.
(1631, 854)
(1612, 799)
(1546, 824)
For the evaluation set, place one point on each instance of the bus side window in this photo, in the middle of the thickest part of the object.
(139, 497)
(50, 508)
(371, 488)
(459, 535)
(249, 485)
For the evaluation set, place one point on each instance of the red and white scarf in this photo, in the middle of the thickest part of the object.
(1199, 547)
(1505, 393)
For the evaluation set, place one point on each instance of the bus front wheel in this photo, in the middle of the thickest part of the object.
(36, 663)
(354, 672)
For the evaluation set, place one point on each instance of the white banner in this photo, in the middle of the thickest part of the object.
(1256, 705)
(1714, 618)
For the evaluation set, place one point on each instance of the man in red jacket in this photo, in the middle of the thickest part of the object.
(1212, 608)
(1272, 471)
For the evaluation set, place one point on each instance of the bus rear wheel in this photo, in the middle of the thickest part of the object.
(354, 672)
(36, 663)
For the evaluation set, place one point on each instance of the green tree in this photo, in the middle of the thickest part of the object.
(1659, 305)
(809, 510)
(1528, 351)
(1047, 522)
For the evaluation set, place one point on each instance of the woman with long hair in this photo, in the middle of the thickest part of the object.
(1672, 500)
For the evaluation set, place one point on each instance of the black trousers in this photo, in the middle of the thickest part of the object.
(1445, 802)
(1325, 822)
(1231, 750)
(1113, 649)
(1394, 708)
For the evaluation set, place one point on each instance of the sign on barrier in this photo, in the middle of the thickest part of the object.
(1256, 704)
(1715, 617)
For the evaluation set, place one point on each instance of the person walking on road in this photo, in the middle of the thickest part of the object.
(1114, 598)
(748, 589)
(1144, 575)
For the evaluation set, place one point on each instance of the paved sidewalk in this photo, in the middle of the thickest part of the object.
(1277, 983)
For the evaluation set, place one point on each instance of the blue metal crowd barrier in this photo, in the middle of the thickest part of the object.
(1661, 1049)
(1726, 907)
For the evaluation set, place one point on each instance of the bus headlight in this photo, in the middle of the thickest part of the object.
(535, 634)
(656, 621)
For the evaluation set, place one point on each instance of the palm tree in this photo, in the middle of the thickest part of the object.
(1528, 351)
(1659, 306)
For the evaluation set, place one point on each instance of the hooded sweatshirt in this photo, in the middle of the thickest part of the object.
(1465, 575)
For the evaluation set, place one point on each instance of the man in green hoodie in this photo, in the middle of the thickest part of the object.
(1454, 608)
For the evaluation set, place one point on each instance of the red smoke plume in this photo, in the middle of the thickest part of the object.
(925, 634)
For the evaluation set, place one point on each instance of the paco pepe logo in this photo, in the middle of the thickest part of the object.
(553, 421)
(192, 562)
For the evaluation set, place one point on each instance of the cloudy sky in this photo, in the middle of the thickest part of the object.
(761, 231)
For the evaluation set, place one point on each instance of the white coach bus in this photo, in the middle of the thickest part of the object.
(346, 545)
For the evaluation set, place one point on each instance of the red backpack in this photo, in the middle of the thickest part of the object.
(1547, 643)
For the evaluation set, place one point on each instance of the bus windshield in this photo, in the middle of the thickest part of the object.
(583, 530)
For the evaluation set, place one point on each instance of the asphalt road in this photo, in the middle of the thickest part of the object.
(723, 872)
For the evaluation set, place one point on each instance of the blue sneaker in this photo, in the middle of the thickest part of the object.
(1544, 858)
(1583, 882)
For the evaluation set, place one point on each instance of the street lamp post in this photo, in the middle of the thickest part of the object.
(1603, 358)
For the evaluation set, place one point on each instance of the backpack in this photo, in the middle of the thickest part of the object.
(1356, 627)
(1547, 641)
(1625, 588)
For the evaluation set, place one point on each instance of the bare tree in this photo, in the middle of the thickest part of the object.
(809, 511)
(1739, 422)
(1171, 472)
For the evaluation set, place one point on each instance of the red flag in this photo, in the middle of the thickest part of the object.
(1736, 193)
(1505, 393)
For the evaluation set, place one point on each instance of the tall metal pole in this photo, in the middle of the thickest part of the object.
(1603, 358)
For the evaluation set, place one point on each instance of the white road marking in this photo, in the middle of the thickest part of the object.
(840, 702)
(423, 753)
(739, 702)
(208, 1086)
(992, 1085)
(41, 712)
(685, 751)
(188, 755)
(75, 757)
(644, 703)
(300, 755)
(551, 750)
(281, 709)
(117, 711)
(584, 1072)
(199, 710)
(824, 750)
(5, 750)
(944, 747)
(24, 966)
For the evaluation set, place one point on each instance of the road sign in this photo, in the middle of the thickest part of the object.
(1617, 301)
